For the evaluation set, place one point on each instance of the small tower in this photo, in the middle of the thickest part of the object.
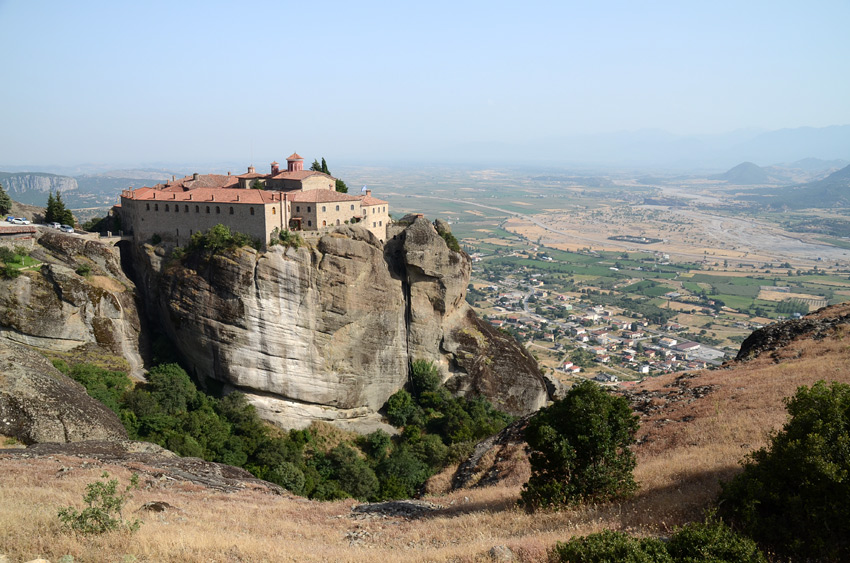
(294, 163)
(275, 168)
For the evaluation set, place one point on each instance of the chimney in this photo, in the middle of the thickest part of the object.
(275, 168)
(368, 193)
(237, 198)
(190, 197)
(228, 172)
(195, 176)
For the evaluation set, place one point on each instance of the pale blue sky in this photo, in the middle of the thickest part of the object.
(176, 81)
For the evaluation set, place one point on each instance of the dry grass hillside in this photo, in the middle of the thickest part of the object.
(695, 429)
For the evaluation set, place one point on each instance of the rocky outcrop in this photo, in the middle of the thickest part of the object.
(816, 325)
(156, 466)
(328, 331)
(57, 309)
(39, 404)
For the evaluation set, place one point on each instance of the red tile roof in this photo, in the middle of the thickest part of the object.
(320, 196)
(297, 174)
(203, 181)
(294, 156)
(202, 195)
(369, 200)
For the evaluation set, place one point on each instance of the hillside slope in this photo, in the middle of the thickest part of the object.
(695, 429)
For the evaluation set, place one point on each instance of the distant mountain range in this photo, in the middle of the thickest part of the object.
(99, 190)
(829, 192)
(794, 173)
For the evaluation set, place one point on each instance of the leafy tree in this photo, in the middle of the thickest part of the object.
(400, 408)
(289, 476)
(424, 377)
(580, 449)
(316, 167)
(5, 201)
(794, 495)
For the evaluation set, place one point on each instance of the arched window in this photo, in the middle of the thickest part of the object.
(156, 207)
(166, 207)
(308, 209)
(176, 208)
(147, 207)
(197, 209)
(337, 207)
(298, 209)
(252, 211)
(274, 210)
(323, 209)
(231, 211)
(217, 209)
(309, 223)
(208, 208)
(186, 209)
(337, 221)
(352, 207)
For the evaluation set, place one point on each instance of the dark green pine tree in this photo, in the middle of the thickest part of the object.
(50, 213)
(316, 167)
(5, 201)
(325, 167)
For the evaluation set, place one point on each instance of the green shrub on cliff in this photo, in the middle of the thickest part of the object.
(220, 238)
(794, 495)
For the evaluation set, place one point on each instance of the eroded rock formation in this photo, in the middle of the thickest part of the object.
(327, 332)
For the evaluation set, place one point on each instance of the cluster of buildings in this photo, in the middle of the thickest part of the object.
(252, 203)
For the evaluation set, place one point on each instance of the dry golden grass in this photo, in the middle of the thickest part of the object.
(679, 468)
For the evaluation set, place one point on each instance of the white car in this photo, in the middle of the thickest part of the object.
(20, 221)
(54, 225)
(66, 229)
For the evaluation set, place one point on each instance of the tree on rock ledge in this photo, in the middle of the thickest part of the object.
(580, 450)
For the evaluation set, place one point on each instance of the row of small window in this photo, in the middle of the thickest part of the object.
(198, 208)
(377, 210)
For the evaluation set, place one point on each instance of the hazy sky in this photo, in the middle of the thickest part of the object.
(136, 82)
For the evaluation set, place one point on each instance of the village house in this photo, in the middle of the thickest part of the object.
(253, 204)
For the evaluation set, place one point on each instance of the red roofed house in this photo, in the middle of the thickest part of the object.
(254, 204)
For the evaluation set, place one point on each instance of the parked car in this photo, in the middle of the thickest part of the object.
(20, 221)
(66, 229)
(54, 225)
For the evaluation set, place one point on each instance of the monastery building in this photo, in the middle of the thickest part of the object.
(252, 203)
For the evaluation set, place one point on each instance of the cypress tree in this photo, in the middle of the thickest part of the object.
(5, 201)
(325, 167)
(50, 214)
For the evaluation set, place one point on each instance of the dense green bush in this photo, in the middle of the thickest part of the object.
(580, 449)
(609, 547)
(794, 495)
(710, 541)
(713, 541)
(220, 238)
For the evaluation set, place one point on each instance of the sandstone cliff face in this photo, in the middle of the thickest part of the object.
(328, 332)
(23, 183)
(39, 404)
(57, 309)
